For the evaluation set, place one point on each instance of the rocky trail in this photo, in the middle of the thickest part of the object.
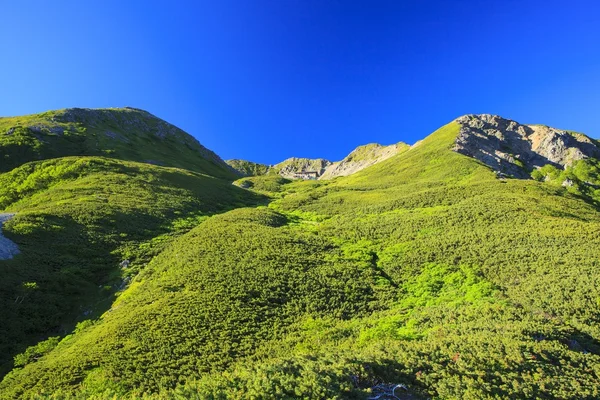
(8, 249)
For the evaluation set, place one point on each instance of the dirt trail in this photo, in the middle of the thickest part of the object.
(8, 248)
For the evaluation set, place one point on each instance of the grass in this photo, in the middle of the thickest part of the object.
(248, 168)
(121, 133)
(76, 219)
(425, 270)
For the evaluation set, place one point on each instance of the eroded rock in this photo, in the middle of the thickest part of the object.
(515, 149)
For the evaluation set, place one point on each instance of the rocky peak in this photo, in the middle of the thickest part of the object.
(293, 167)
(515, 149)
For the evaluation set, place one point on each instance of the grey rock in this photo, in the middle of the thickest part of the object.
(302, 168)
(8, 248)
(515, 149)
(567, 183)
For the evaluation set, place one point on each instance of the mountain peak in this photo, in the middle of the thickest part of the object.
(123, 133)
(514, 149)
(362, 157)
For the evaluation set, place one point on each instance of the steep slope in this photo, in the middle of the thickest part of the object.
(514, 149)
(76, 219)
(361, 158)
(232, 285)
(248, 168)
(122, 133)
(424, 270)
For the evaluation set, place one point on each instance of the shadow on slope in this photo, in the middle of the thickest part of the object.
(76, 220)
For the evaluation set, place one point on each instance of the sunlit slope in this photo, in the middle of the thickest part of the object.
(536, 243)
(122, 133)
(211, 299)
(536, 240)
(424, 270)
(76, 219)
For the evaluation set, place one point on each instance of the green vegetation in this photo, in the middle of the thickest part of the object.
(271, 184)
(122, 133)
(581, 178)
(248, 168)
(372, 151)
(424, 270)
(76, 219)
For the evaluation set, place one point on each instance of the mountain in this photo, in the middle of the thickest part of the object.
(361, 158)
(248, 168)
(514, 149)
(123, 133)
(306, 168)
(293, 167)
(426, 275)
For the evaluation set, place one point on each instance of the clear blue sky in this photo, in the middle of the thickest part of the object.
(269, 79)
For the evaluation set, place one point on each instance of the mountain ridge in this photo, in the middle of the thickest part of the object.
(506, 146)
(125, 133)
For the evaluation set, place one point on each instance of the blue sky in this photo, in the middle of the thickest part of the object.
(265, 80)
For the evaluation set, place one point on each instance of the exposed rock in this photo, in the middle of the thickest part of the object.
(515, 149)
(294, 168)
(8, 249)
(361, 158)
(306, 168)
(567, 183)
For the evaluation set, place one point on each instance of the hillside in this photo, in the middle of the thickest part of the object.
(363, 157)
(428, 269)
(123, 133)
(248, 168)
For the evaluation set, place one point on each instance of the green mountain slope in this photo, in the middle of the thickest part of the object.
(248, 168)
(77, 219)
(363, 157)
(122, 133)
(425, 270)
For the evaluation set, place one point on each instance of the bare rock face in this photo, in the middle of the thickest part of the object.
(294, 168)
(8, 249)
(514, 149)
(361, 158)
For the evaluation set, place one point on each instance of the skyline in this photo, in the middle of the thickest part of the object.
(266, 80)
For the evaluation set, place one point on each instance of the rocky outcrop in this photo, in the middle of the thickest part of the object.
(361, 158)
(514, 149)
(294, 168)
(8, 249)
(306, 168)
